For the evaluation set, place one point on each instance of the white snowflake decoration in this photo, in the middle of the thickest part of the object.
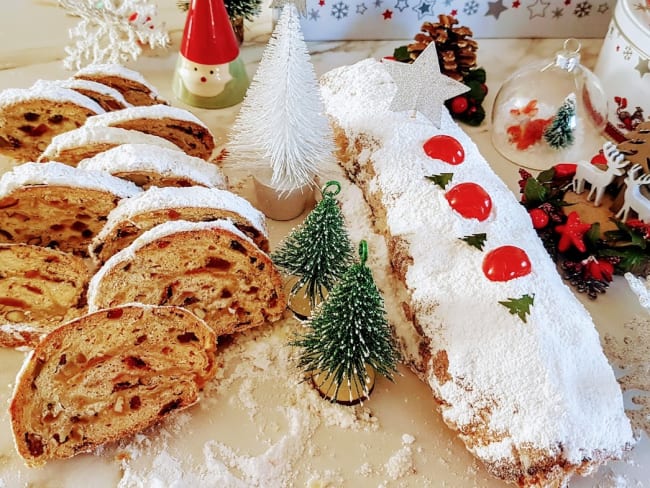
(111, 31)
(641, 288)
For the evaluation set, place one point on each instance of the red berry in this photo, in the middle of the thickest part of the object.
(459, 104)
(565, 170)
(445, 148)
(506, 263)
(470, 200)
(539, 218)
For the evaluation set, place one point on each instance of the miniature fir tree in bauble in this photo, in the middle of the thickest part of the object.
(348, 336)
(318, 251)
(282, 122)
(559, 133)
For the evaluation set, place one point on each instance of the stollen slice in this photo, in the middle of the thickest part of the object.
(211, 268)
(106, 376)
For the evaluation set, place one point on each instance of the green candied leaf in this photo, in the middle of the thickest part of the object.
(476, 91)
(519, 306)
(442, 180)
(475, 240)
(402, 54)
(626, 234)
(535, 192)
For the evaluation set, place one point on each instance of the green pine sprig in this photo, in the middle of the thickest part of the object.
(249, 9)
(349, 331)
(319, 250)
(442, 180)
(519, 306)
(475, 240)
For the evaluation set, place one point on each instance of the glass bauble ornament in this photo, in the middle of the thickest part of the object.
(550, 111)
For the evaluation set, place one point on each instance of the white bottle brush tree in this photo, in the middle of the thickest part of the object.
(282, 122)
(318, 251)
(348, 334)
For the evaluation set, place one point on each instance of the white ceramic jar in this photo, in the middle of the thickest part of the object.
(623, 67)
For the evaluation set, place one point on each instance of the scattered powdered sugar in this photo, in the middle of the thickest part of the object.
(503, 370)
(12, 96)
(59, 174)
(400, 463)
(89, 136)
(144, 112)
(165, 161)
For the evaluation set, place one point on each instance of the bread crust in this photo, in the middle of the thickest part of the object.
(134, 92)
(40, 288)
(106, 376)
(211, 268)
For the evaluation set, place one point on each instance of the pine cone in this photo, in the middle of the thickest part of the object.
(456, 49)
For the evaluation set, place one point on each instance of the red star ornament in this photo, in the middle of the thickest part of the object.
(572, 233)
(388, 14)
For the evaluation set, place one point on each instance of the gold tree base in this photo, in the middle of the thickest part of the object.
(350, 392)
(298, 300)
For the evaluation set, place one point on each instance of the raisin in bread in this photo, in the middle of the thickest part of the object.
(58, 206)
(106, 97)
(211, 268)
(131, 84)
(40, 288)
(177, 125)
(147, 165)
(107, 375)
(511, 355)
(85, 142)
(31, 117)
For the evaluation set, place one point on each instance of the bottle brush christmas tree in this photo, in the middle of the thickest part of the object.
(282, 123)
(318, 251)
(559, 133)
(248, 9)
(349, 336)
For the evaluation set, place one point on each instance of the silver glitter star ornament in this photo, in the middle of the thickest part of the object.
(422, 87)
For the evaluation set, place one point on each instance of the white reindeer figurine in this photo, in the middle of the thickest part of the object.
(597, 178)
(633, 198)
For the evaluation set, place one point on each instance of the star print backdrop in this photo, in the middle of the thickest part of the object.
(401, 19)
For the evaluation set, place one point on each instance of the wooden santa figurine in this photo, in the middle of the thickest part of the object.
(209, 72)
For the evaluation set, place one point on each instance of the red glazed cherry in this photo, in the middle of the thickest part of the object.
(470, 200)
(459, 104)
(539, 218)
(565, 170)
(445, 148)
(506, 263)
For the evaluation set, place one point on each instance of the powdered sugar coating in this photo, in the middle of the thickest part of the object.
(87, 136)
(144, 112)
(544, 384)
(54, 173)
(109, 69)
(80, 84)
(174, 198)
(12, 96)
(162, 160)
(158, 232)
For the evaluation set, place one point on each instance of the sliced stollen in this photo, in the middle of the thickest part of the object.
(177, 125)
(136, 215)
(85, 142)
(58, 206)
(106, 97)
(131, 84)
(211, 268)
(511, 355)
(147, 165)
(106, 376)
(31, 117)
(40, 288)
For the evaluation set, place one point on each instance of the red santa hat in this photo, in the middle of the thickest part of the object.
(208, 37)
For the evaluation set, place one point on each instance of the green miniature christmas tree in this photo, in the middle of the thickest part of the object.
(319, 250)
(349, 333)
(248, 9)
(559, 133)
